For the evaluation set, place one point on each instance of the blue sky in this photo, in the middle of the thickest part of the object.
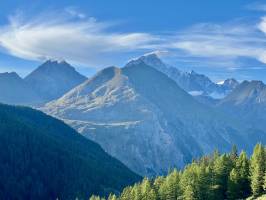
(221, 39)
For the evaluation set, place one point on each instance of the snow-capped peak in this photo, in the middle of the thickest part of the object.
(220, 82)
(57, 61)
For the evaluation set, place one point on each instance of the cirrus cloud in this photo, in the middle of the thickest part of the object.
(84, 40)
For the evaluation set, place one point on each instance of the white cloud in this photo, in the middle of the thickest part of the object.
(223, 42)
(79, 39)
(83, 41)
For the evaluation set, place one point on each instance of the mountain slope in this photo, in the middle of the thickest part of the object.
(140, 116)
(248, 102)
(13, 90)
(42, 158)
(53, 79)
(192, 82)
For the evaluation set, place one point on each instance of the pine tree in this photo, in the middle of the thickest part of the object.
(93, 197)
(234, 153)
(172, 190)
(137, 192)
(233, 191)
(146, 190)
(189, 193)
(257, 170)
(158, 186)
(242, 165)
(222, 168)
(112, 197)
(264, 186)
(204, 181)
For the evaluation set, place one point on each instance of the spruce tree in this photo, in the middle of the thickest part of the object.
(242, 165)
(234, 153)
(222, 168)
(172, 190)
(112, 197)
(189, 193)
(257, 170)
(233, 191)
(264, 186)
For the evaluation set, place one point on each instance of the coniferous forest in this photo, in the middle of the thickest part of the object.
(218, 176)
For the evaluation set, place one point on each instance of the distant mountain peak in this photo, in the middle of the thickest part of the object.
(15, 91)
(55, 64)
(10, 75)
(58, 61)
(246, 93)
(54, 78)
(151, 59)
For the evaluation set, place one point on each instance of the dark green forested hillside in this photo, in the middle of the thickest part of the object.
(219, 176)
(42, 158)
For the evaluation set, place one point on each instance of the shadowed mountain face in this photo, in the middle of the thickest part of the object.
(142, 117)
(13, 90)
(248, 102)
(53, 79)
(43, 158)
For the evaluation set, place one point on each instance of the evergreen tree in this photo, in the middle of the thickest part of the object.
(204, 182)
(222, 168)
(257, 170)
(146, 190)
(233, 191)
(242, 166)
(189, 193)
(158, 184)
(112, 197)
(234, 153)
(137, 192)
(264, 186)
(172, 190)
(217, 177)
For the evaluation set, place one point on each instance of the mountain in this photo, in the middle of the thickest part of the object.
(43, 158)
(229, 84)
(53, 79)
(192, 82)
(13, 90)
(248, 102)
(143, 118)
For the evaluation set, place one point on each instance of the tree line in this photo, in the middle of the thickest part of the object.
(218, 176)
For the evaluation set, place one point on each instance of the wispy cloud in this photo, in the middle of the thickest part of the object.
(256, 6)
(81, 39)
(223, 43)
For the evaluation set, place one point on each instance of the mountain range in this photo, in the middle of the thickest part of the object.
(142, 117)
(192, 82)
(149, 115)
(49, 81)
(248, 102)
(14, 90)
